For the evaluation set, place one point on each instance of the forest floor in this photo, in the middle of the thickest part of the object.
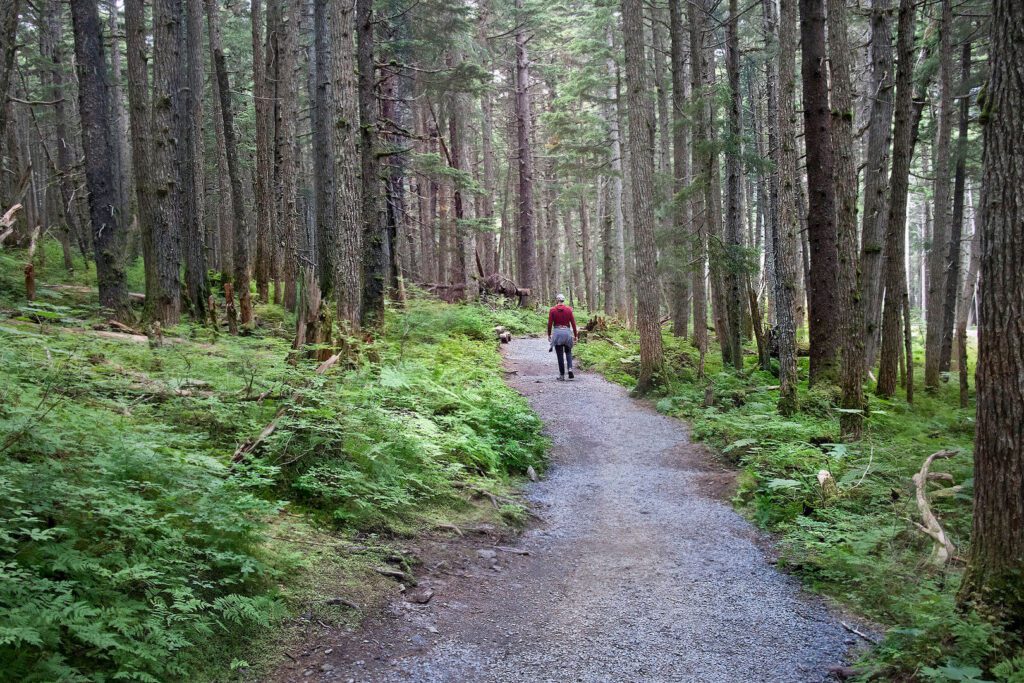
(636, 569)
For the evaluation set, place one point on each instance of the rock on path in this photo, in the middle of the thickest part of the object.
(638, 574)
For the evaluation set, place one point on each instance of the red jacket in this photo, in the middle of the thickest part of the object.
(561, 316)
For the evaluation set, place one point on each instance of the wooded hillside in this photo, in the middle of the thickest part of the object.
(757, 182)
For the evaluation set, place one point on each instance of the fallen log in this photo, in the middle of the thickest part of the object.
(7, 223)
(250, 445)
(943, 549)
(136, 297)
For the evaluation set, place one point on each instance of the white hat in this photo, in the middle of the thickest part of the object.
(560, 297)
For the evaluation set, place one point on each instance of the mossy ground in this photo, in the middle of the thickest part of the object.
(130, 542)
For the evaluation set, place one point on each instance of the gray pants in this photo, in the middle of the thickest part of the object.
(563, 340)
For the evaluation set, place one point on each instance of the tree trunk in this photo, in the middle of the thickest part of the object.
(589, 283)
(939, 250)
(527, 233)
(488, 256)
(193, 184)
(164, 304)
(641, 144)
(286, 115)
(956, 226)
(224, 201)
(262, 172)
(97, 138)
(374, 247)
(851, 314)
(335, 160)
(824, 298)
(695, 14)
(876, 210)
(8, 45)
(52, 50)
(964, 308)
(996, 563)
(734, 191)
(620, 288)
(241, 230)
(786, 224)
(895, 241)
(680, 172)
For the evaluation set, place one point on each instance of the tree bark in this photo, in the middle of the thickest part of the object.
(823, 297)
(786, 225)
(695, 14)
(374, 247)
(8, 46)
(240, 275)
(97, 137)
(896, 293)
(286, 115)
(680, 172)
(164, 303)
(996, 563)
(527, 237)
(641, 148)
(876, 210)
(620, 288)
(939, 248)
(851, 314)
(734, 192)
(263, 105)
(52, 51)
(192, 166)
(953, 257)
(964, 309)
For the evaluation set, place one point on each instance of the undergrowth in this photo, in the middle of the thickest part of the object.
(858, 544)
(132, 547)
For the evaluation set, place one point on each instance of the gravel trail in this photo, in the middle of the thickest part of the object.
(638, 573)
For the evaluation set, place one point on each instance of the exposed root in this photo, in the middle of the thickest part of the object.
(943, 549)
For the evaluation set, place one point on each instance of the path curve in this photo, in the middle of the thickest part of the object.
(638, 573)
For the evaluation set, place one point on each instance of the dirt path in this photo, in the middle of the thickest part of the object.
(638, 573)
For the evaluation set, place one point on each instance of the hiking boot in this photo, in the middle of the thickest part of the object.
(571, 376)
(561, 378)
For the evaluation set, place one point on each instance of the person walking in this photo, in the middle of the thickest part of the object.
(562, 334)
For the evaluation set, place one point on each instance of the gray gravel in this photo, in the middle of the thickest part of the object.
(638, 573)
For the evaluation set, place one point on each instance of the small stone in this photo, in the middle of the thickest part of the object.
(420, 597)
(432, 629)
(531, 473)
(487, 554)
(418, 640)
(328, 650)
